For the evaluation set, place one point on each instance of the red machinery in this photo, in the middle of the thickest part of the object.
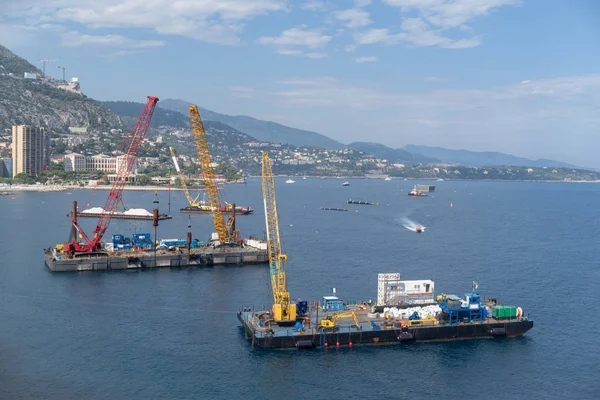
(137, 133)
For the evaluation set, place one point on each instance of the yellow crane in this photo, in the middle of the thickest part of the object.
(227, 233)
(282, 310)
(193, 202)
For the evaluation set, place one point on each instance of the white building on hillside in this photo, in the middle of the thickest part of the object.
(99, 162)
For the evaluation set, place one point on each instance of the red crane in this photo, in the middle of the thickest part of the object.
(137, 134)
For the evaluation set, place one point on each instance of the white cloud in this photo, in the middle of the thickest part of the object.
(74, 39)
(315, 56)
(450, 13)
(313, 5)
(214, 21)
(415, 32)
(15, 36)
(369, 59)
(434, 18)
(288, 52)
(553, 118)
(312, 39)
(354, 17)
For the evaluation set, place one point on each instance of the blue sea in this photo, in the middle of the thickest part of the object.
(173, 333)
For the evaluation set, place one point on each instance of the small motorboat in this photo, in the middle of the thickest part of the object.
(388, 179)
(346, 183)
(418, 229)
(290, 181)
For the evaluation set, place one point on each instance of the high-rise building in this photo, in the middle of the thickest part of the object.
(5, 168)
(31, 150)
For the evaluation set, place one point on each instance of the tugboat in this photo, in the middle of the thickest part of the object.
(417, 193)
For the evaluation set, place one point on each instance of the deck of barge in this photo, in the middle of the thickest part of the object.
(349, 335)
(206, 256)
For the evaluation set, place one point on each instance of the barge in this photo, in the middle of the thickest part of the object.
(417, 317)
(148, 259)
(374, 331)
(239, 210)
(122, 215)
(366, 203)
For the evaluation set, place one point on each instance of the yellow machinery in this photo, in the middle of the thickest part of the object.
(227, 234)
(329, 321)
(283, 310)
(428, 321)
(193, 202)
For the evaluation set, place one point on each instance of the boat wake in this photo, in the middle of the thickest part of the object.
(412, 225)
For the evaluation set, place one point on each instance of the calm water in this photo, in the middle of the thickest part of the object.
(173, 334)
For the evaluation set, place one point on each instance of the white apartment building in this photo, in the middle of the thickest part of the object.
(99, 162)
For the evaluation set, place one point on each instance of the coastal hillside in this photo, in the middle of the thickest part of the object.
(478, 159)
(45, 102)
(264, 131)
(392, 155)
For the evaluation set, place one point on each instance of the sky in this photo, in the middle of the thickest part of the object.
(516, 76)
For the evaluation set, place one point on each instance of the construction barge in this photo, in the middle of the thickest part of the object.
(239, 210)
(413, 315)
(121, 215)
(254, 251)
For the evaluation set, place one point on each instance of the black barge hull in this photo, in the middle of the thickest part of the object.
(486, 330)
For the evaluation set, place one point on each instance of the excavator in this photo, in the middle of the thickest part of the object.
(283, 312)
(328, 323)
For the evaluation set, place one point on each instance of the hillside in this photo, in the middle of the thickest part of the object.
(478, 159)
(392, 155)
(265, 131)
(130, 110)
(28, 101)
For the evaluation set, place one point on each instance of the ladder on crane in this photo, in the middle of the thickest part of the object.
(284, 312)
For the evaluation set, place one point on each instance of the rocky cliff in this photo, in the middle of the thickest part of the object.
(39, 102)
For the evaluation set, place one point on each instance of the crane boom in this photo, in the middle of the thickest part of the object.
(137, 133)
(193, 202)
(283, 310)
(212, 191)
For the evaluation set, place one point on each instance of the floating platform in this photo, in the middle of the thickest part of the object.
(366, 203)
(373, 331)
(128, 260)
(199, 210)
(120, 215)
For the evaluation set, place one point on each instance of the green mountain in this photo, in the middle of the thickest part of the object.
(264, 131)
(43, 102)
(392, 155)
(476, 159)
